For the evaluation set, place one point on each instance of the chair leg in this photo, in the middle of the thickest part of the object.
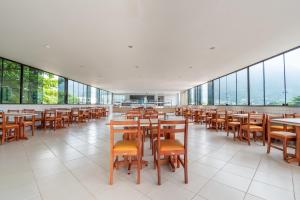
(269, 144)
(138, 178)
(185, 169)
(248, 137)
(285, 149)
(158, 170)
(3, 136)
(32, 129)
(111, 169)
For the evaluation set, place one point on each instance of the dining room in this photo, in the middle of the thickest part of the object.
(149, 100)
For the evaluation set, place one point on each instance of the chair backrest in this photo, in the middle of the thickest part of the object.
(172, 127)
(2, 120)
(130, 128)
(50, 113)
(28, 111)
(150, 116)
(134, 116)
(269, 118)
(257, 117)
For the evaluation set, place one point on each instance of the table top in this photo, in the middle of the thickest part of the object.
(63, 110)
(287, 121)
(21, 114)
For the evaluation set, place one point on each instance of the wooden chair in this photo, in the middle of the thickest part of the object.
(232, 124)
(208, 118)
(10, 131)
(217, 121)
(254, 123)
(279, 134)
(170, 147)
(52, 118)
(29, 121)
(130, 148)
(66, 118)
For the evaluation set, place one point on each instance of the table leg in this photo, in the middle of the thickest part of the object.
(298, 144)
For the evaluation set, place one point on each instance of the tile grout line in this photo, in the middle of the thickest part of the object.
(33, 175)
(256, 169)
(210, 179)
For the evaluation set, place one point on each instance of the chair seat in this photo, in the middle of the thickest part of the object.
(278, 127)
(171, 145)
(28, 123)
(283, 134)
(234, 123)
(252, 128)
(9, 126)
(126, 146)
(218, 120)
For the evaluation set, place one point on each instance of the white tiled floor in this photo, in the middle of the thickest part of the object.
(72, 163)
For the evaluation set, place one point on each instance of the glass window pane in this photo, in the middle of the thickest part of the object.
(292, 71)
(70, 92)
(50, 88)
(76, 92)
(242, 87)
(274, 81)
(84, 94)
(31, 85)
(11, 82)
(256, 84)
(204, 94)
(210, 91)
(93, 95)
(223, 89)
(231, 89)
(88, 94)
(217, 92)
(61, 90)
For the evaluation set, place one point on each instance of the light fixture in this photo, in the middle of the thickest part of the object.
(191, 67)
(47, 46)
(212, 48)
(137, 66)
(130, 46)
(81, 66)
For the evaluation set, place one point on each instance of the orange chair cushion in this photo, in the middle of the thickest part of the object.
(234, 123)
(252, 127)
(282, 134)
(126, 145)
(171, 145)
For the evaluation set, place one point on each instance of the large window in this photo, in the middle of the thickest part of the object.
(223, 88)
(11, 76)
(32, 86)
(204, 94)
(256, 76)
(292, 71)
(231, 89)
(40, 87)
(93, 95)
(217, 92)
(242, 87)
(274, 81)
(70, 92)
(50, 88)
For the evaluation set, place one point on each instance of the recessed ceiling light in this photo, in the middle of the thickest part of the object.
(191, 67)
(212, 48)
(137, 66)
(47, 46)
(130, 46)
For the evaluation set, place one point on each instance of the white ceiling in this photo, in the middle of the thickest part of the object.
(168, 36)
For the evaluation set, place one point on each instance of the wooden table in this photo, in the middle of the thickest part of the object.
(296, 123)
(20, 118)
